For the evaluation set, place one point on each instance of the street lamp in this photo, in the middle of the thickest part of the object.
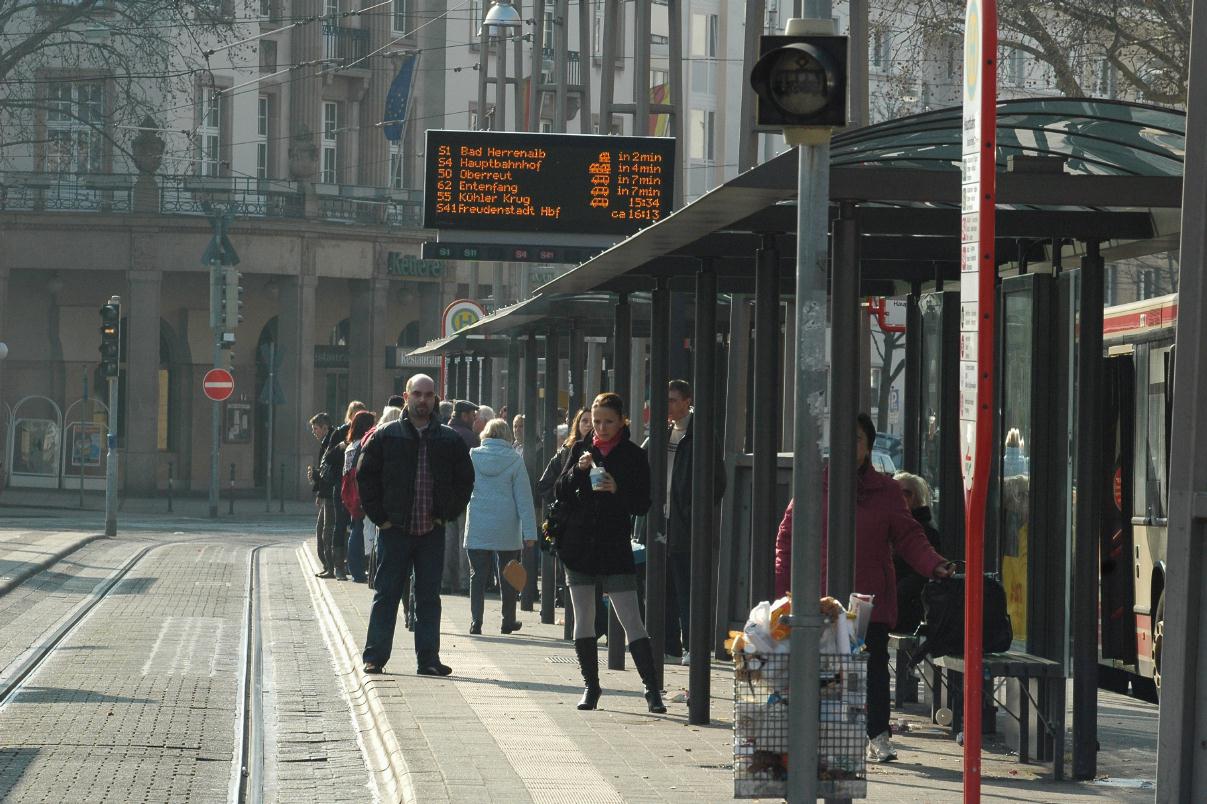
(502, 19)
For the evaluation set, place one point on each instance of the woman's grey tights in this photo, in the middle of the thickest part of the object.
(623, 603)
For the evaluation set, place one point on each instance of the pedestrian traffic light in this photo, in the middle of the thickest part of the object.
(110, 348)
(232, 308)
(801, 81)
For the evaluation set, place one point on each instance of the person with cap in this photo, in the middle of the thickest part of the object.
(464, 413)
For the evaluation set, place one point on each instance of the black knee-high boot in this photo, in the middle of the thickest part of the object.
(643, 658)
(588, 663)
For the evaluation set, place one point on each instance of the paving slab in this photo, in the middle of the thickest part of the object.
(504, 728)
(26, 551)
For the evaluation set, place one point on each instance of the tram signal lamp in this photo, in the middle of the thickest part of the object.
(801, 81)
(232, 299)
(110, 348)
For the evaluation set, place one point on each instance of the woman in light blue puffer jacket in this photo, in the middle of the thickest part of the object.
(500, 517)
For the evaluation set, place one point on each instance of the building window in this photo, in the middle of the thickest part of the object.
(597, 33)
(701, 139)
(263, 109)
(268, 56)
(396, 165)
(330, 168)
(880, 49)
(1016, 67)
(209, 133)
(401, 16)
(331, 9)
(547, 32)
(75, 118)
(704, 35)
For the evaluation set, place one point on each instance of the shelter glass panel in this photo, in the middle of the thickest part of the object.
(930, 404)
(1017, 350)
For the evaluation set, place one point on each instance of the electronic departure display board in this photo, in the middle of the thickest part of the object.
(570, 183)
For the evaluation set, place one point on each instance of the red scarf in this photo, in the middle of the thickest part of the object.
(605, 447)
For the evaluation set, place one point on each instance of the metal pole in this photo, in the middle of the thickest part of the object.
(499, 117)
(1181, 772)
(171, 483)
(535, 80)
(215, 427)
(281, 486)
(531, 450)
(913, 418)
(1089, 519)
(111, 464)
(79, 456)
(703, 493)
(845, 381)
(231, 496)
(655, 522)
(767, 372)
(111, 455)
(857, 69)
(622, 351)
(272, 402)
(549, 442)
(813, 200)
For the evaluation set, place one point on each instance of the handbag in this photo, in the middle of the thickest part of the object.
(515, 575)
(553, 527)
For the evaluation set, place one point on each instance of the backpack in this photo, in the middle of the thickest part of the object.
(349, 492)
(942, 625)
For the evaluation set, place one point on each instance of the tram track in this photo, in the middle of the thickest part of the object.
(247, 773)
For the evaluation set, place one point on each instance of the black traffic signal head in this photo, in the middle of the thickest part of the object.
(110, 347)
(801, 81)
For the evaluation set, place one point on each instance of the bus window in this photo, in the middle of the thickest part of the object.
(1157, 453)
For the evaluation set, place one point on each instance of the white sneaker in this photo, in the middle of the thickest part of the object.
(880, 748)
(686, 660)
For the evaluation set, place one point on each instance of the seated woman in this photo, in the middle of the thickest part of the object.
(916, 493)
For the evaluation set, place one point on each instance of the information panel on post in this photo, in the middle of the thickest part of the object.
(525, 182)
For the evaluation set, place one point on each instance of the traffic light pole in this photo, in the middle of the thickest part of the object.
(111, 454)
(216, 413)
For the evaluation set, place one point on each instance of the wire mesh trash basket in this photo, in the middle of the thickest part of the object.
(760, 723)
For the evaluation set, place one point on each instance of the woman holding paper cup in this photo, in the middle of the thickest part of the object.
(883, 526)
(500, 514)
(605, 483)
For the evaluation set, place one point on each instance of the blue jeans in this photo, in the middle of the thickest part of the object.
(397, 554)
(356, 549)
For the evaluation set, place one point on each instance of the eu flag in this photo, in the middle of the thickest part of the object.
(399, 97)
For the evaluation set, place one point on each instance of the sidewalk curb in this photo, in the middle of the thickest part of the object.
(387, 764)
(36, 567)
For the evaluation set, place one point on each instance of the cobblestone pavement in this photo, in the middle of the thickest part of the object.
(142, 700)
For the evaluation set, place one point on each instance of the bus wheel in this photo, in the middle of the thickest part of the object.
(1158, 638)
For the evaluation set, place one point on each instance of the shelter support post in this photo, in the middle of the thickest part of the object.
(703, 522)
(731, 582)
(655, 521)
(912, 415)
(575, 362)
(813, 204)
(549, 442)
(846, 380)
(1181, 771)
(513, 374)
(1089, 520)
(531, 450)
(767, 370)
(622, 356)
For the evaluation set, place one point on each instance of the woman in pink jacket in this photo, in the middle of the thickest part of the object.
(883, 525)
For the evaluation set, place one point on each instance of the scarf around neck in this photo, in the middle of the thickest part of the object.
(605, 447)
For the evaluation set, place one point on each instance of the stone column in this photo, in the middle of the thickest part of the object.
(368, 338)
(374, 148)
(305, 92)
(140, 405)
(297, 447)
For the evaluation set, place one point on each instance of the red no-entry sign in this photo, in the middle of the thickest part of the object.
(218, 384)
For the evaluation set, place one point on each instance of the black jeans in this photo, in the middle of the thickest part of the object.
(339, 535)
(480, 565)
(397, 554)
(876, 642)
(678, 602)
(324, 530)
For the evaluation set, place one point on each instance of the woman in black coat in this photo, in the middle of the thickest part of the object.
(605, 483)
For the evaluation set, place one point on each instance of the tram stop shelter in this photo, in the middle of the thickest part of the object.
(1086, 189)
